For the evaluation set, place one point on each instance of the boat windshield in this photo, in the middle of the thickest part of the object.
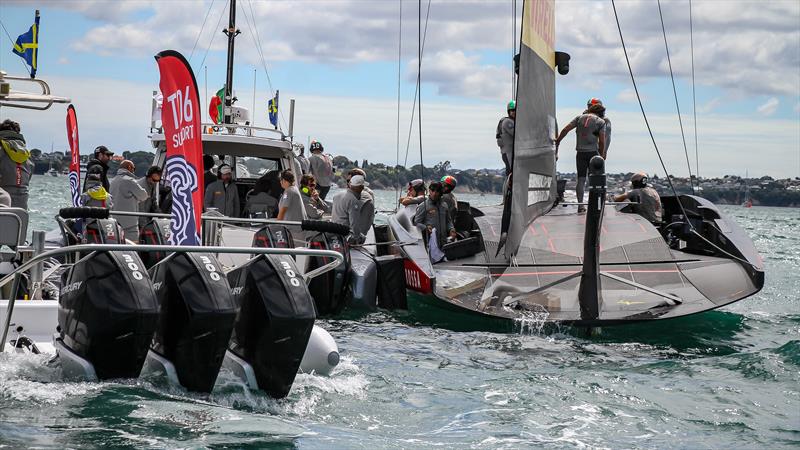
(254, 167)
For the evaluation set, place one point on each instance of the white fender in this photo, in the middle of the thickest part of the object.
(322, 353)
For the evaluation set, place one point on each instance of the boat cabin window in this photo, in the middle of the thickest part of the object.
(253, 167)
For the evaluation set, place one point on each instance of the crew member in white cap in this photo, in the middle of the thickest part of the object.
(223, 194)
(353, 210)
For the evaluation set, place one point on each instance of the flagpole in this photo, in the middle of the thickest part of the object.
(205, 93)
(253, 120)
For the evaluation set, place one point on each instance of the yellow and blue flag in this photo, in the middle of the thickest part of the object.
(272, 108)
(27, 45)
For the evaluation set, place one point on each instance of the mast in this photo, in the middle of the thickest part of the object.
(231, 32)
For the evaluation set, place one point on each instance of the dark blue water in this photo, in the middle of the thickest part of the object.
(723, 379)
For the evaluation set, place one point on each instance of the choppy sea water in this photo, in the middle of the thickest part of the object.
(723, 379)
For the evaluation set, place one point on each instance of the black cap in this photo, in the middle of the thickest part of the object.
(103, 149)
(154, 169)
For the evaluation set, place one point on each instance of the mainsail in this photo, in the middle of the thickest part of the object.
(533, 187)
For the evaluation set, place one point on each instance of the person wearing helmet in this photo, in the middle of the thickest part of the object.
(448, 184)
(505, 135)
(16, 166)
(321, 167)
(596, 101)
(648, 202)
(590, 141)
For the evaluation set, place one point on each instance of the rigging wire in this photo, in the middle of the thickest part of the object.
(259, 49)
(202, 27)
(399, 67)
(213, 35)
(514, 48)
(653, 139)
(416, 89)
(694, 100)
(13, 42)
(419, 81)
(675, 93)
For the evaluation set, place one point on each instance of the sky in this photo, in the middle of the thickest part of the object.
(351, 65)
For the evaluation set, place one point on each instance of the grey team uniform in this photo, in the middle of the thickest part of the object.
(14, 178)
(436, 216)
(587, 129)
(320, 167)
(224, 198)
(291, 200)
(505, 140)
(354, 211)
(649, 205)
(127, 194)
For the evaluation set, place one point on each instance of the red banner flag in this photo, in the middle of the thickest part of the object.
(75, 156)
(180, 117)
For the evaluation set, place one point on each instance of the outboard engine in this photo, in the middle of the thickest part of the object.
(273, 236)
(103, 231)
(329, 289)
(106, 316)
(155, 232)
(274, 324)
(196, 320)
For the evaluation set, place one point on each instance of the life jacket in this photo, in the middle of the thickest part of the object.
(16, 151)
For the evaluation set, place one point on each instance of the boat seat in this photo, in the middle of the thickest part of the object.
(13, 229)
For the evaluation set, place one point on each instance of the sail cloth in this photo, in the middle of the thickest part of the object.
(533, 180)
(75, 156)
(27, 46)
(180, 117)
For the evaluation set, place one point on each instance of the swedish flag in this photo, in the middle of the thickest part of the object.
(27, 45)
(272, 108)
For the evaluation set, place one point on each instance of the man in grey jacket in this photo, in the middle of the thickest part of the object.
(150, 183)
(127, 194)
(433, 214)
(321, 167)
(354, 210)
(223, 194)
(16, 167)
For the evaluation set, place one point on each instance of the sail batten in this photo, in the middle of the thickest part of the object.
(533, 182)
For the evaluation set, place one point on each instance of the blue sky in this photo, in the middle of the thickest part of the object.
(338, 58)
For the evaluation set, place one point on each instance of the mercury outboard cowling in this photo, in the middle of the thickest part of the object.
(103, 231)
(197, 317)
(273, 236)
(275, 319)
(329, 289)
(108, 312)
(155, 232)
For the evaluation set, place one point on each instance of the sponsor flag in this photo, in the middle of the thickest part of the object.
(180, 117)
(215, 106)
(75, 156)
(27, 45)
(272, 107)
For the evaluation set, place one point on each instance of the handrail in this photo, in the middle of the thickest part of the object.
(211, 218)
(11, 99)
(337, 257)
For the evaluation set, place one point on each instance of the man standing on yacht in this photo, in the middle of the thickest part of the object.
(99, 166)
(321, 167)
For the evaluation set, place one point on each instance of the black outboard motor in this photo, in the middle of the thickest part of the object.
(274, 324)
(273, 236)
(155, 232)
(106, 316)
(102, 231)
(196, 320)
(329, 289)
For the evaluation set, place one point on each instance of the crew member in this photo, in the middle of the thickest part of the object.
(321, 167)
(5, 199)
(647, 199)
(415, 193)
(290, 206)
(315, 206)
(596, 101)
(350, 208)
(16, 167)
(99, 166)
(432, 214)
(127, 194)
(261, 202)
(208, 171)
(505, 135)
(95, 194)
(223, 193)
(367, 192)
(448, 184)
(302, 160)
(151, 184)
(590, 141)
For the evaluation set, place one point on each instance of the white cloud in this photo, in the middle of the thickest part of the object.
(769, 107)
(709, 106)
(628, 96)
(746, 48)
(457, 74)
